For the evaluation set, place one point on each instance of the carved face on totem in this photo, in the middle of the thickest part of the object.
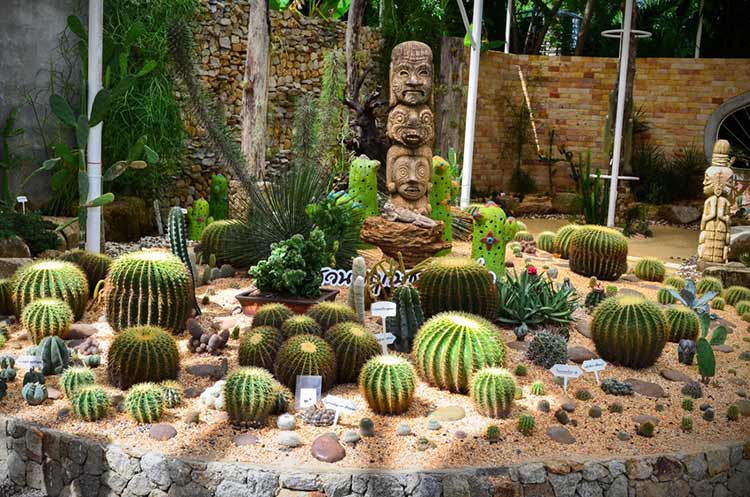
(409, 171)
(411, 126)
(411, 73)
(718, 178)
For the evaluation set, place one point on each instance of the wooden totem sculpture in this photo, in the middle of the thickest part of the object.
(713, 244)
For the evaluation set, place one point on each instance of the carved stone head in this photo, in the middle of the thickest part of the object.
(409, 172)
(411, 73)
(720, 156)
(411, 126)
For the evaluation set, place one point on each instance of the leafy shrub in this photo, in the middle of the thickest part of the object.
(37, 233)
(533, 300)
(340, 219)
(665, 180)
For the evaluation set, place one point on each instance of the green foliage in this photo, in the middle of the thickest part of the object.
(249, 394)
(328, 314)
(90, 403)
(300, 325)
(54, 354)
(387, 382)
(178, 245)
(340, 218)
(409, 317)
(546, 241)
(94, 265)
(492, 390)
(708, 284)
(34, 393)
(145, 402)
(6, 297)
(650, 269)
(547, 349)
(353, 345)
(532, 299)
(593, 192)
(219, 197)
(457, 284)
(258, 347)
(306, 355)
(562, 239)
(271, 315)
(682, 323)
(37, 233)
(537, 388)
(47, 317)
(306, 131)
(735, 294)
(525, 424)
(53, 279)
(704, 347)
(333, 115)
(142, 354)
(173, 392)
(599, 251)
(74, 378)
(666, 180)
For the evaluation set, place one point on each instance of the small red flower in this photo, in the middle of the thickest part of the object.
(531, 270)
(489, 240)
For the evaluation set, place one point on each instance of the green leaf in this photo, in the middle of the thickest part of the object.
(101, 200)
(83, 186)
(134, 32)
(49, 164)
(100, 107)
(136, 150)
(719, 336)
(61, 108)
(64, 153)
(122, 86)
(705, 323)
(151, 156)
(149, 66)
(115, 170)
(76, 26)
(82, 132)
(706, 358)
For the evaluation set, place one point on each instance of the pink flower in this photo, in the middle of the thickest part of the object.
(531, 270)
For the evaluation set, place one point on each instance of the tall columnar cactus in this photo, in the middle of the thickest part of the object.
(492, 391)
(358, 290)
(306, 355)
(249, 395)
(630, 331)
(387, 382)
(451, 346)
(54, 354)
(148, 288)
(492, 232)
(359, 268)
(47, 317)
(599, 251)
(440, 197)
(74, 378)
(300, 325)
(735, 294)
(664, 296)
(259, 346)
(90, 403)
(271, 315)
(218, 199)
(562, 239)
(676, 282)
(650, 269)
(328, 314)
(142, 354)
(363, 184)
(682, 324)
(48, 278)
(145, 402)
(94, 265)
(198, 218)
(217, 237)
(178, 244)
(353, 345)
(458, 284)
(6, 297)
(405, 324)
(546, 241)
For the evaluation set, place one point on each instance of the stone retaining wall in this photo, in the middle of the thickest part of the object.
(62, 464)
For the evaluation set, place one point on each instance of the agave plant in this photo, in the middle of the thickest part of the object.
(532, 299)
(688, 297)
(704, 347)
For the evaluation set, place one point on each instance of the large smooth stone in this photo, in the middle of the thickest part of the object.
(14, 248)
(646, 388)
(560, 435)
(9, 265)
(521, 345)
(448, 413)
(244, 439)
(674, 375)
(162, 432)
(642, 418)
(80, 331)
(327, 449)
(733, 273)
(679, 214)
(213, 371)
(723, 348)
(579, 354)
(739, 241)
(584, 327)
(744, 406)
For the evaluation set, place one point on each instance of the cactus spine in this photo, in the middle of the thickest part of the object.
(328, 314)
(735, 294)
(405, 324)
(47, 317)
(563, 238)
(492, 231)
(363, 184)
(54, 354)
(142, 354)
(492, 391)
(306, 355)
(55, 279)
(145, 402)
(387, 383)
(258, 347)
(650, 269)
(74, 378)
(353, 345)
(457, 284)
(440, 197)
(546, 241)
(599, 251)
(6, 297)
(271, 315)
(178, 237)
(300, 325)
(709, 284)
(682, 324)
(218, 199)
(90, 403)
(249, 395)
(526, 424)
(199, 217)
(94, 265)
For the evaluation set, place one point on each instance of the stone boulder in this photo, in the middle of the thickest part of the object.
(9, 265)
(679, 214)
(534, 205)
(14, 248)
(730, 274)
(739, 242)
(415, 243)
(71, 234)
(127, 219)
(566, 203)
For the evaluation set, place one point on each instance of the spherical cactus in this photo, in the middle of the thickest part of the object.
(451, 346)
(33, 376)
(682, 324)
(283, 399)
(718, 303)
(387, 383)
(142, 354)
(172, 392)
(271, 315)
(547, 349)
(249, 395)
(562, 239)
(217, 239)
(546, 241)
(148, 288)
(709, 284)
(90, 403)
(630, 331)
(145, 402)
(676, 282)
(306, 355)
(523, 236)
(47, 317)
(742, 307)
(74, 378)
(526, 424)
(34, 393)
(353, 345)
(492, 391)
(537, 388)
(54, 354)
(665, 297)
(55, 279)
(258, 347)
(735, 294)
(94, 265)
(327, 314)
(6, 297)
(599, 251)
(650, 269)
(457, 284)
(300, 325)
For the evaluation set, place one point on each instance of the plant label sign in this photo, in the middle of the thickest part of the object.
(384, 309)
(594, 366)
(339, 404)
(566, 372)
(308, 391)
(22, 199)
(29, 362)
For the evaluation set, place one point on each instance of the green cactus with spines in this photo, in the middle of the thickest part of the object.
(562, 239)
(647, 429)
(145, 402)
(687, 404)
(54, 279)
(457, 284)
(328, 314)
(523, 236)
(142, 354)
(74, 378)
(537, 388)
(90, 403)
(148, 288)
(492, 231)
(353, 345)
(735, 294)
(249, 395)
(54, 354)
(92, 360)
(733, 413)
(198, 218)
(521, 370)
(7, 361)
(34, 393)
(6, 297)
(306, 355)
(283, 399)
(709, 284)
(388, 382)
(359, 268)
(173, 392)
(272, 315)
(493, 391)
(650, 269)
(409, 317)
(547, 349)
(259, 346)
(363, 184)
(218, 198)
(595, 297)
(664, 296)
(451, 346)
(300, 325)
(492, 435)
(216, 240)
(582, 394)
(629, 331)
(718, 303)
(742, 307)
(682, 324)
(95, 266)
(675, 282)
(525, 425)
(599, 251)
(178, 245)
(518, 394)
(47, 317)
(546, 241)
(8, 374)
(686, 424)
(441, 196)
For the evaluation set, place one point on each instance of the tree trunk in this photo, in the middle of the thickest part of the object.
(353, 28)
(449, 115)
(585, 23)
(255, 88)
(549, 18)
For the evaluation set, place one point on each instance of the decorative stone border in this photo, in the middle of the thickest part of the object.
(62, 464)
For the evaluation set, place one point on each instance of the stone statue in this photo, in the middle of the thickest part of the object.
(713, 244)
(401, 215)
(409, 177)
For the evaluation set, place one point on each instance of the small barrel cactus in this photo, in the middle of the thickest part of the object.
(90, 403)
(300, 325)
(647, 429)
(259, 346)
(142, 354)
(173, 392)
(283, 399)
(526, 424)
(249, 395)
(686, 350)
(523, 236)
(682, 323)
(353, 345)
(742, 307)
(547, 349)
(6, 297)
(537, 388)
(33, 376)
(709, 284)
(145, 402)
(34, 393)
(665, 297)
(650, 269)
(562, 239)
(458, 284)
(47, 317)
(49, 278)
(217, 239)
(327, 314)
(718, 303)
(546, 241)
(492, 435)
(492, 391)
(599, 251)
(306, 355)
(687, 404)
(594, 298)
(272, 315)
(74, 378)
(387, 382)
(735, 294)
(54, 354)
(409, 317)
(733, 413)
(686, 424)
(94, 265)
(676, 282)
(521, 370)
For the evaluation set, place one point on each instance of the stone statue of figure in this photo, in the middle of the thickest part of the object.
(409, 178)
(713, 244)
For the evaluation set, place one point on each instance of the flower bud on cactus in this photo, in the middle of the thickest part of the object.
(47, 317)
(387, 382)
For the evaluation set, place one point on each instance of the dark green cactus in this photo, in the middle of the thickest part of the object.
(283, 399)
(353, 345)
(47, 317)
(90, 403)
(595, 297)
(526, 425)
(328, 314)
(271, 315)
(650, 269)
(54, 354)
(537, 388)
(735, 294)
(492, 391)
(249, 395)
(300, 325)
(94, 265)
(306, 355)
(218, 199)
(547, 349)
(6, 297)
(405, 324)
(676, 282)
(259, 346)
(387, 382)
(33, 376)
(178, 244)
(546, 241)
(664, 296)
(142, 354)
(173, 392)
(34, 393)
(48, 278)
(742, 307)
(709, 284)
(562, 239)
(457, 284)
(145, 402)
(74, 378)
(686, 424)
(217, 236)
(599, 251)
(492, 435)
(682, 324)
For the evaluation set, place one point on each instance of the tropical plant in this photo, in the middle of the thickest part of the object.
(340, 219)
(704, 347)
(142, 354)
(387, 383)
(687, 297)
(532, 300)
(36, 232)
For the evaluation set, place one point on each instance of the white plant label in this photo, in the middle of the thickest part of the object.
(307, 397)
(384, 310)
(29, 362)
(339, 404)
(184, 210)
(594, 366)
(386, 337)
(566, 372)
(308, 390)
(22, 200)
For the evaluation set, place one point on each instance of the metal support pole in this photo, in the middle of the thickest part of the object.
(508, 16)
(94, 148)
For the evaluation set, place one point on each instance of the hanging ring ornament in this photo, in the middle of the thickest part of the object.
(617, 33)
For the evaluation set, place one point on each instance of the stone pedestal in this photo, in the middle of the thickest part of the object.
(414, 242)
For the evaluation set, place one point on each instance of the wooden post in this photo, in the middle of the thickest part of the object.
(353, 28)
(449, 113)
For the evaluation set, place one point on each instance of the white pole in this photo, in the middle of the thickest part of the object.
(508, 15)
(94, 149)
(623, 76)
(471, 104)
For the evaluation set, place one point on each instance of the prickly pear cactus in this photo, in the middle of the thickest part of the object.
(440, 197)
(198, 219)
(492, 232)
(363, 184)
(218, 200)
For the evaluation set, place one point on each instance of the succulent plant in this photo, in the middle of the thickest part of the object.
(583, 394)
(646, 429)
(692, 389)
(33, 376)
(686, 424)
(709, 284)
(306, 355)
(283, 399)
(145, 402)
(90, 403)
(353, 345)
(523, 236)
(689, 298)
(629, 330)
(718, 303)
(178, 245)
(613, 387)
(74, 378)
(451, 346)
(546, 241)
(493, 391)
(198, 217)
(328, 314)
(521, 370)
(547, 349)
(457, 284)
(359, 268)
(675, 282)
(95, 266)
(563, 238)
(218, 200)
(47, 317)
(54, 354)
(682, 323)
(173, 392)
(595, 412)
(300, 325)
(6, 297)
(742, 307)
(650, 269)
(259, 346)
(704, 346)
(537, 388)
(664, 295)
(492, 435)
(142, 354)
(687, 404)
(526, 424)
(272, 315)
(599, 251)
(54, 279)
(733, 413)
(616, 408)
(206, 339)
(216, 240)
(387, 382)
(409, 317)
(594, 298)
(34, 393)
(249, 394)
(8, 374)
(686, 351)
(148, 288)
(518, 393)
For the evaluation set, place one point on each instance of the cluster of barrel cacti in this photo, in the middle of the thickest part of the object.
(94, 265)
(458, 284)
(598, 251)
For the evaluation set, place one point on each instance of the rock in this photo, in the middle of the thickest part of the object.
(674, 375)
(227, 323)
(583, 327)
(351, 437)
(569, 405)
(286, 422)
(731, 274)
(562, 417)
(534, 205)
(433, 424)
(679, 214)
(643, 418)
(14, 248)
(631, 292)
(53, 393)
(646, 388)
(193, 392)
(560, 435)
(415, 243)
(8, 266)
(213, 371)
(460, 434)
(244, 439)
(192, 417)
(739, 241)
(80, 331)
(744, 406)
(126, 219)
(630, 277)
(726, 349)
(327, 449)
(518, 345)
(403, 429)
(448, 413)
(709, 414)
(543, 406)
(162, 432)
(63, 413)
(289, 439)
(579, 354)
(532, 473)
